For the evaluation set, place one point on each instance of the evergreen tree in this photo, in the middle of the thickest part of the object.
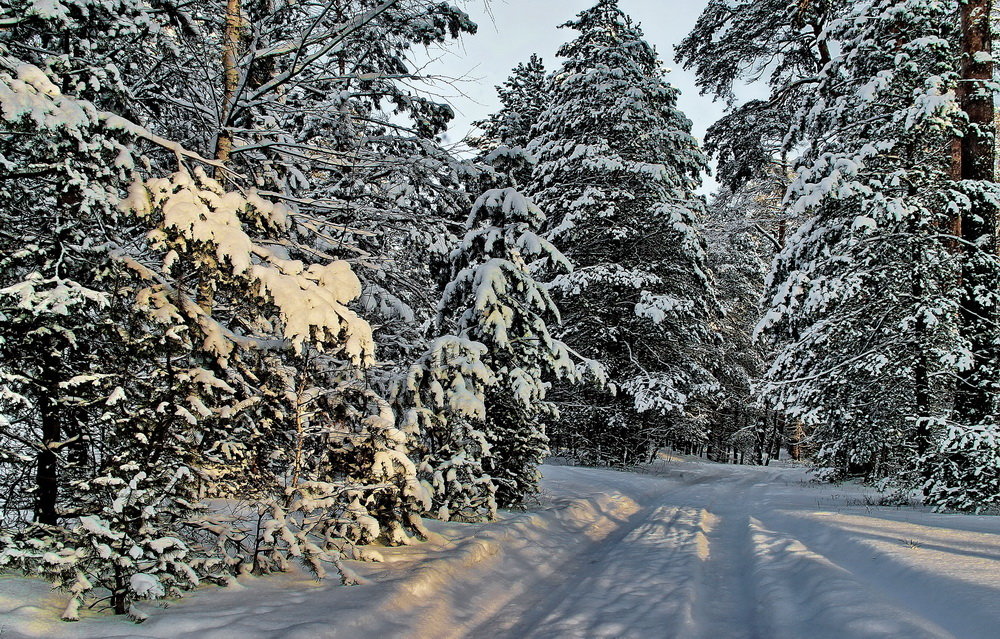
(494, 299)
(782, 42)
(617, 169)
(81, 502)
(883, 231)
(442, 401)
(964, 470)
(314, 105)
(781, 46)
(484, 445)
(866, 289)
(522, 100)
(743, 232)
(507, 132)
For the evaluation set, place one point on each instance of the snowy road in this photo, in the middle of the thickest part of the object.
(689, 550)
(734, 552)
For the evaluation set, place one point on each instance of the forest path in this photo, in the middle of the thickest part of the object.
(731, 552)
(666, 573)
(684, 549)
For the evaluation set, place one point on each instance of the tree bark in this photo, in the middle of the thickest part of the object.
(231, 82)
(977, 157)
(47, 470)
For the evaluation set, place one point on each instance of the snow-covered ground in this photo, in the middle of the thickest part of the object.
(685, 549)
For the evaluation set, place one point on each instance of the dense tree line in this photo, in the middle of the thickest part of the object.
(880, 317)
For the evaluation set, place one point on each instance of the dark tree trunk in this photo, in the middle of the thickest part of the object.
(796, 435)
(47, 471)
(974, 398)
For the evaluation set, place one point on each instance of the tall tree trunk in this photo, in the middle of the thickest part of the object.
(47, 470)
(921, 389)
(224, 136)
(977, 157)
(231, 82)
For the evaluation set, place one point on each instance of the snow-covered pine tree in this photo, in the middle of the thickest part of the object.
(331, 124)
(62, 168)
(507, 132)
(394, 191)
(777, 45)
(617, 169)
(804, 46)
(282, 335)
(964, 469)
(782, 42)
(79, 505)
(863, 298)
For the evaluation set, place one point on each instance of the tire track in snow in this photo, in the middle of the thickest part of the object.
(447, 596)
(695, 563)
(677, 570)
(633, 584)
(803, 593)
(913, 566)
(533, 594)
(726, 605)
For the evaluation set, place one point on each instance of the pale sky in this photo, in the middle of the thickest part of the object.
(511, 30)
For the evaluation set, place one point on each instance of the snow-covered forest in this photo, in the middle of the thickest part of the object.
(258, 316)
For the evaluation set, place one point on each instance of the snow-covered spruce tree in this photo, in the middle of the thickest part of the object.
(61, 169)
(863, 299)
(443, 409)
(378, 455)
(522, 100)
(100, 515)
(483, 432)
(51, 302)
(328, 464)
(494, 299)
(79, 504)
(617, 169)
(507, 132)
(191, 397)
